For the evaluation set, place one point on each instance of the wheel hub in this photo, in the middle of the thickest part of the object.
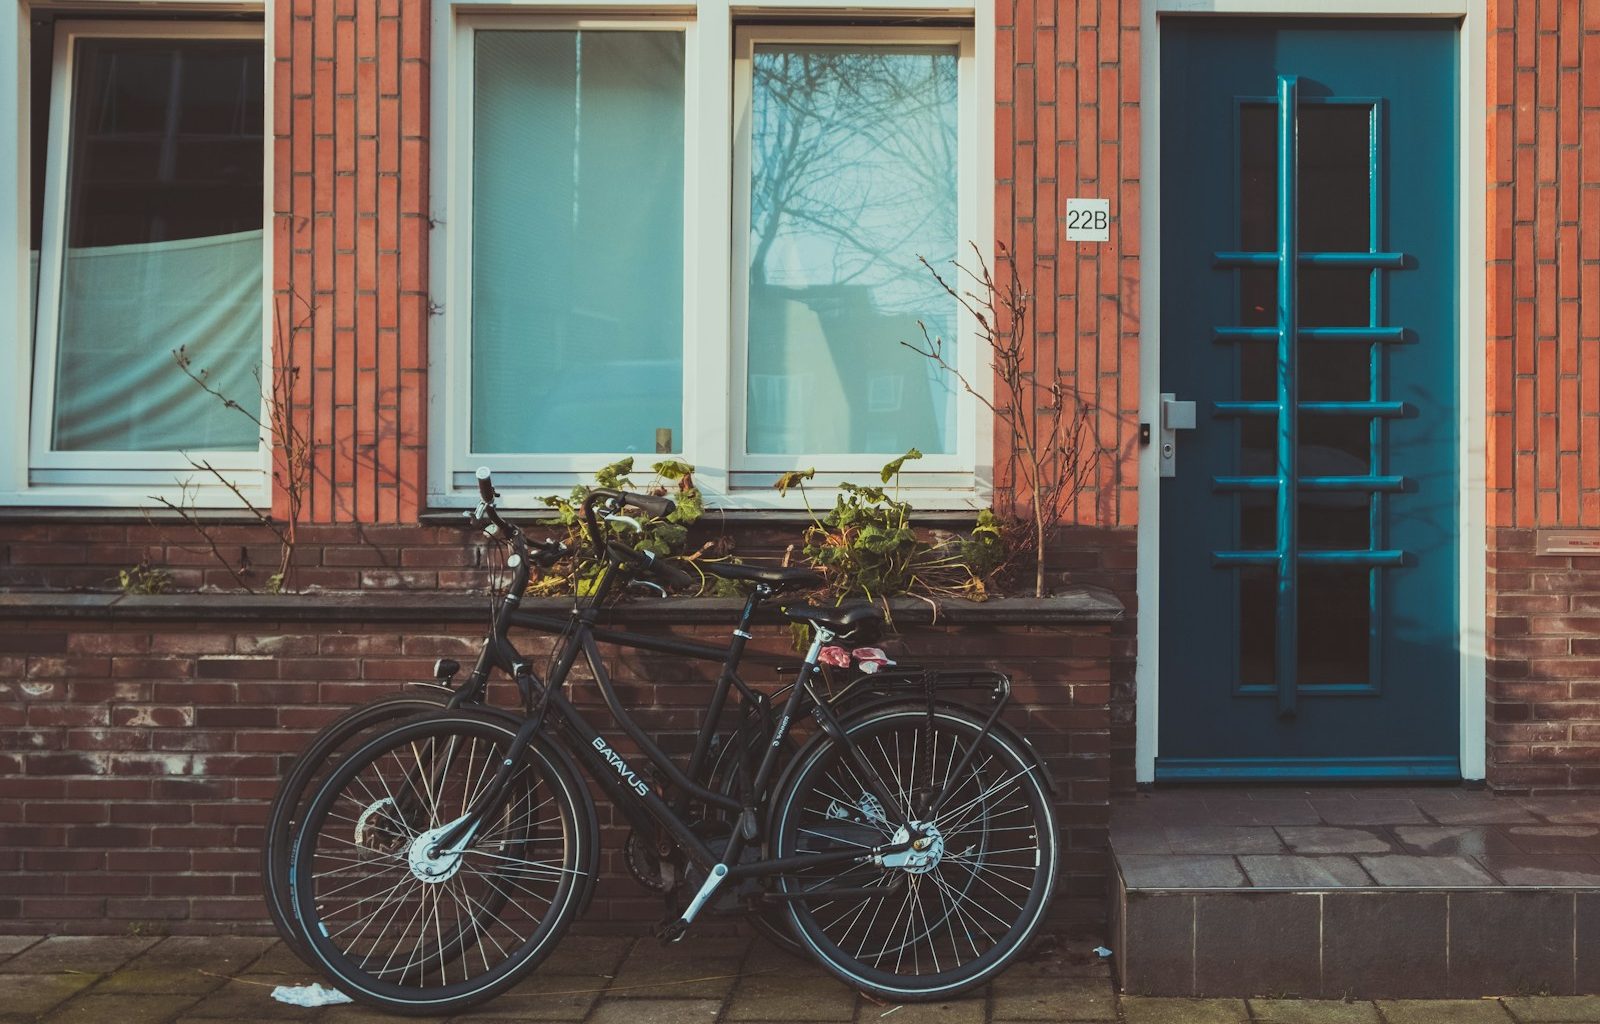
(923, 855)
(429, 863)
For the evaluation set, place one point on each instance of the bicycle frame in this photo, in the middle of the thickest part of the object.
(622, 782)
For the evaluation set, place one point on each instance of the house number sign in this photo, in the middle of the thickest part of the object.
(1088, 220)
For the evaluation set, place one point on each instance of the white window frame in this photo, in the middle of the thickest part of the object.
(31, 474)
(713, 381)
(453, 386)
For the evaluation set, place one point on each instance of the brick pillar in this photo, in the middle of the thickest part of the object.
(350, 227)
(1543, 390)
(1067, 124)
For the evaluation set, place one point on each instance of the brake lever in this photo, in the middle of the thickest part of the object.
(638, 527)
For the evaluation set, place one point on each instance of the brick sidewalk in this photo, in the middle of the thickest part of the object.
(609, 980)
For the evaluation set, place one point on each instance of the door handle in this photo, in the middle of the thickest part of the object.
(1175, 416)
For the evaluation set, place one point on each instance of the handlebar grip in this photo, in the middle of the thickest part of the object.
(665, 570)
(485, 484)
(658, 506)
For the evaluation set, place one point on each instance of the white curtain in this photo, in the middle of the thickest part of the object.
(577, 251)
(124, 310)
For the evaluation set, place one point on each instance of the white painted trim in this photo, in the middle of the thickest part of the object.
(1321, 8)
(101, 485)
(1473, 198)
(710, 385)
(1474, 439)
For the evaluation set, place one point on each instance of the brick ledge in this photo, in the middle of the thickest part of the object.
(1078, 605)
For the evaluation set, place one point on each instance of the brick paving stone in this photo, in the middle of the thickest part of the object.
(281, 960)
(543, 997)
(224, 954)
(1020, 995)
(11, 945)
(1444, 1011)
(656, 1011)
(689, 970)
(25, 996)
(136, 979)
(119, 1010)
(355, 1013)
(1555, 1009)
(247, 1000)
(794, 995)
(1312, 1011)
(1152, 1010)
(594, 955)
(93, 954)
(972, 1009)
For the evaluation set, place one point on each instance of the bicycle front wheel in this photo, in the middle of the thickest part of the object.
(297, 787)
(402, 924)
(961, 911)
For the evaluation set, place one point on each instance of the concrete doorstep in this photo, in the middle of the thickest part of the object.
(621, 980)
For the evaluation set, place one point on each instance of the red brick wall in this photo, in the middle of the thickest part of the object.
(350, 233)
(139, 756)
(1543, 307)
(1067, 124)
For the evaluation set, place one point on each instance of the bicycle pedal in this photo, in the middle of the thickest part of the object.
(671, 931)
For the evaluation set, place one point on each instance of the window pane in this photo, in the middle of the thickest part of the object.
(852, 177)
(577, 241)
(163, 246)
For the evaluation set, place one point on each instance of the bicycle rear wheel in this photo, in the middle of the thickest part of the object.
(401, 925)
(337, 739)
(961, 913)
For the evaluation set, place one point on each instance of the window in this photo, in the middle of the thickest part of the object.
(655, 245)
(577, 241)
(849, 173)
(147, 237)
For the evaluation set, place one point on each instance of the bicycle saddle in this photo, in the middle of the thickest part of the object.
(773, 576)
(842, 621)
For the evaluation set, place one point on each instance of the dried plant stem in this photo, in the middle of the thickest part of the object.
(1052, 456)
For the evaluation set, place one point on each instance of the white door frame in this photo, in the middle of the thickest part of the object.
(1473, 351)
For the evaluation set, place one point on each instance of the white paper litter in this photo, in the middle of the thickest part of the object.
(1101, 952)
(309, 995)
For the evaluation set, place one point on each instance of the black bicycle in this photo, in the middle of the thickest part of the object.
(909, 841)
(712, 763)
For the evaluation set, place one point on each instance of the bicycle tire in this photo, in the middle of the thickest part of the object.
(1000, 804)
(293, 796)
(361, 862)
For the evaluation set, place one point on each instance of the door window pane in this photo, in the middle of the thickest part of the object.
(577, 241)
(853, 165)
(163, 246)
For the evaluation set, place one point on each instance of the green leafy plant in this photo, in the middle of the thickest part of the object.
(143, 579)
(866, 544)
(661, 536)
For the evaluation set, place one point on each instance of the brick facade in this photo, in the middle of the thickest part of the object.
(350, 234)
(140, 754)
(1543, 402)
(1067, 124)
(107, 720)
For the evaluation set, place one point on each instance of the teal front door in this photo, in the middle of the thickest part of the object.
(1308, 430)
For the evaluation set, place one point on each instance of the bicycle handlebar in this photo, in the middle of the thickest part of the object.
(651, 563)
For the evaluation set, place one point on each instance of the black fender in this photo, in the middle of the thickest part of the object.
(849, 711)
(854, 704)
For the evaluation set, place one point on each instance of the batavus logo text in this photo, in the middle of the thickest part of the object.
(615, 761)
